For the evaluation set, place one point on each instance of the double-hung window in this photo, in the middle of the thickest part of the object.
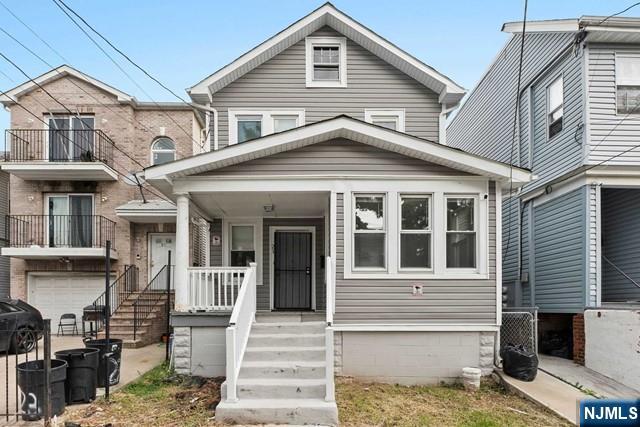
(628, 84)
(390, 119)
(326, 61)
(415, 232)
(242, 245)
(461, 232)
(369, 232)
(245, 125)
(555, 107)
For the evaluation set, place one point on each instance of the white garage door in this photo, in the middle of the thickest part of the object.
(56, 294)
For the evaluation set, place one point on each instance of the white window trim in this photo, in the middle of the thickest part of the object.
(428, 231)
(476, 219)
(267, 120)
(398, 115)
(341, 43)
(548, 107)
(438, 190)
(617, 55)
(385, 230)
(256, 222)
(45, 209)
(161, 150)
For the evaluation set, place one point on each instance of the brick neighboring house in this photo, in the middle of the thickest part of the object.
(70, 192)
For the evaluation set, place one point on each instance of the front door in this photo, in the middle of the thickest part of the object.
(160, 244)
(292, 275)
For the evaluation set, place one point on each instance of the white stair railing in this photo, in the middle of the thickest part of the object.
(328, 338)
(214, 288)
(242, 317)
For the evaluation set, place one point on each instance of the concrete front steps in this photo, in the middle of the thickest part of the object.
(282, 377)
(151, 330)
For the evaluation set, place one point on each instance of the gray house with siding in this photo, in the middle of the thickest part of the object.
(570, 237)
(346, 237)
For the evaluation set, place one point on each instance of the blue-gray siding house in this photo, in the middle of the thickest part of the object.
(571, 237)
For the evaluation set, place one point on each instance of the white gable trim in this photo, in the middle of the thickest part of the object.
(340, 127)
(449, 91)
(12, 95)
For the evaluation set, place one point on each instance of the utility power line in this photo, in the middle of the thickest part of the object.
(63, 7)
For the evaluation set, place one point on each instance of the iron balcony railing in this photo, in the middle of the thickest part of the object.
(52, 145)
(60, 231)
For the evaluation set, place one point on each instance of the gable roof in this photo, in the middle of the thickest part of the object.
(328, 15)
(11, 96)
(339, 127)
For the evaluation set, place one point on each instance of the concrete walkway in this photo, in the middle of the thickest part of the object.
(548, 391)
(584, 378)
(135, 362)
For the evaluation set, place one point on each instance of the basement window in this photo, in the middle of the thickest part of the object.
(326, 61)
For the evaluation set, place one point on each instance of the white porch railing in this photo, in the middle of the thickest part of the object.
(242, 317)
(214, 288)
(328, 338)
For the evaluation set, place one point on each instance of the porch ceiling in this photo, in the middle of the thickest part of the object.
(251, 204)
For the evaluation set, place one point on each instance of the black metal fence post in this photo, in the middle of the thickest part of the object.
(166, 352)
(107, 308)
(47, 372)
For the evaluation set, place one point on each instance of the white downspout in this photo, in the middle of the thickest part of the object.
(208, 108)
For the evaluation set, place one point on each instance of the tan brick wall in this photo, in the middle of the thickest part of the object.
(132, 131)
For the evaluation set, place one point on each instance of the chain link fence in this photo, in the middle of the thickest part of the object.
(519, 327)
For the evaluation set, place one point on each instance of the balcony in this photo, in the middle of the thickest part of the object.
(59, 236)
(59, 155)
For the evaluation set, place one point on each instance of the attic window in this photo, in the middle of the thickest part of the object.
(326, 61)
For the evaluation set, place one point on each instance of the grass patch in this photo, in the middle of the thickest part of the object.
(162, 398)
(158, 398)
(445, 405)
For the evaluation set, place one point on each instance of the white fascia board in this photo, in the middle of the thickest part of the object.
(56, 73)
(53, 253)
(347, 128)
(319, 18)
(549, 26)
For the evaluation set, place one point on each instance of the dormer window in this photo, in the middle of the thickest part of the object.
(326, 59)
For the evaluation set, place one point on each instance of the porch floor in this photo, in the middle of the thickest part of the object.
(578, 375)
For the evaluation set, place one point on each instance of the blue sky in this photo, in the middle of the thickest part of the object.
(180, 42)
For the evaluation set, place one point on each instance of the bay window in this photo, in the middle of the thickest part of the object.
(370, 232)
(461, 232)
(415, 232)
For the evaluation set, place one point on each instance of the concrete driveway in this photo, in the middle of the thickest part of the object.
(135, 362)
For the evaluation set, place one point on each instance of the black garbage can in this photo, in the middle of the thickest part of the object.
(109, 356)
(82, 374)
(31, 383)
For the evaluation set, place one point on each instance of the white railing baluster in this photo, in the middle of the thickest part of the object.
(215, 288)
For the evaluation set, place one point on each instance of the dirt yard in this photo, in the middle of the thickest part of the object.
(161, 398)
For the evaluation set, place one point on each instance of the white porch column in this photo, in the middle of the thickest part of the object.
(181, 274)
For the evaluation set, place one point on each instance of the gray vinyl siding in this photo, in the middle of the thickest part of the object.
(264, 291)
(621, 245)
(510, 240)
(390, 301)
(610, 134)
(560, 253)
(280, 83)
(215, 253)
(484, 124)
(337, 156)
(564, 152)
(526, 259)
(4, 210)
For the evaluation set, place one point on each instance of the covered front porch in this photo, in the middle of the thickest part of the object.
(284, 233)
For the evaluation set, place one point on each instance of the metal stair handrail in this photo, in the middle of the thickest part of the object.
(148, 297)
(119, 291)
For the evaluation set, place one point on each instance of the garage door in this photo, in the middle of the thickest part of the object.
(56, 294)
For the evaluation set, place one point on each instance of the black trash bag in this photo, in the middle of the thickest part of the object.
(519, 363)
